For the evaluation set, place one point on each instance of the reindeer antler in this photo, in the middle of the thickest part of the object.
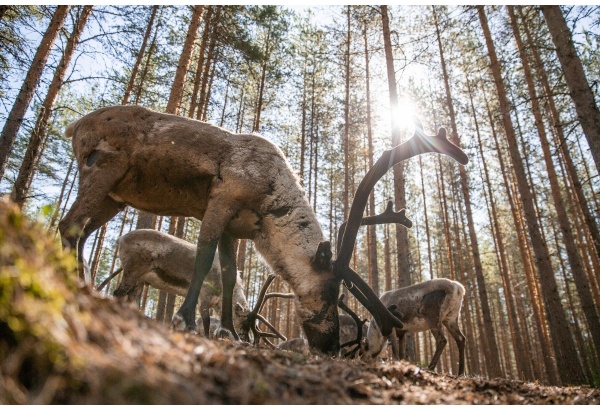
(388, 216)
(254, 315)
(359, 325)
(418, 144)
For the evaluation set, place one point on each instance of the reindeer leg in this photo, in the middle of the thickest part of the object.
(205, 315)
(228, 277)
(397, 342)
(460, 339)
(215, 219)
(440, 343)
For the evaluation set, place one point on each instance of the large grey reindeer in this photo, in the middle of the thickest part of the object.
(240, 186)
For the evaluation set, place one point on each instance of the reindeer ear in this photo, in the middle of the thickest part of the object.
(239, 309)
(441, 132)
(322, 259)
(394, 310)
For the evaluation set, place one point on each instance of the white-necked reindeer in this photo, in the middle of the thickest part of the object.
(240, 186)
(166, 262)
(423, 306)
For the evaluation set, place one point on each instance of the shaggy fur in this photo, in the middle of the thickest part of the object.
(424, 306)
(239, 185)
(166, 262)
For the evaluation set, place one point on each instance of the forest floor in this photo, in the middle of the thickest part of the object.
(64, 344)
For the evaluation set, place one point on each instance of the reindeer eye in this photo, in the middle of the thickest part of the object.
(92, 158)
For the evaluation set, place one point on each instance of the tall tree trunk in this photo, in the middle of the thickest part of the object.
(19, 108)
(523, 362)
(564, 347)
(208, 21)
(576, 265)
(399, 194)
(493, 353)
(60, 196)
(263, 77)
(140, 55)
(592, 223)
(579, 87)
(347, 120)
(372, 231)
(184, 61)
(207, 64)
(38, 136)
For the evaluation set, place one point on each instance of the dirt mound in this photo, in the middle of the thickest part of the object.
(63, 344)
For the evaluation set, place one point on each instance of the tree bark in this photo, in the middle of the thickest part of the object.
(579, 87)
(493, 353)
(564, 347)
(575, 262)
(140, 55)
(371, 230)
(398, 169)
(17, 113)
(38, 136)
(184, 62)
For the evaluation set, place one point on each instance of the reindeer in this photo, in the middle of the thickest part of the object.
(424, 306)
(240, 186)
(166, 262)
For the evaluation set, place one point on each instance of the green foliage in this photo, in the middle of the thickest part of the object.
(37, 283)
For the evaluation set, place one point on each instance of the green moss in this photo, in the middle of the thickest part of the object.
(37, 281)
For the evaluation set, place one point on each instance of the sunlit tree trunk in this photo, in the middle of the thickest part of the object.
(37, 140)
(140, 55)
(564, 347)
(19, 108)
(532, 283)
(579, 87)
(184, 61)
(575, 263)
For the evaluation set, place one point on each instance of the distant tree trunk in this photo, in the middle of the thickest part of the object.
(144, 73)
(372, 231)
(200, 64)
(427, 231)
(140, 55)
(575, 262)
(184, 61)
(263, 77)
(579, 87)
(399, 194)
(19, 108)
(532, 284)
(347, 119)
(592, 223)
(208, 61)
(498, 235)
(493, 353)
(564, 347)
(60, 196)
(398, 170)
(38, 136)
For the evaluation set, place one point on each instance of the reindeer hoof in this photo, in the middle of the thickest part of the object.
(222, 333)
(178, 324)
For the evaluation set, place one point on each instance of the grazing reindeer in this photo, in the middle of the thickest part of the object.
(424, 306)
(348, 332)
(166, 262)
(240, 186)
